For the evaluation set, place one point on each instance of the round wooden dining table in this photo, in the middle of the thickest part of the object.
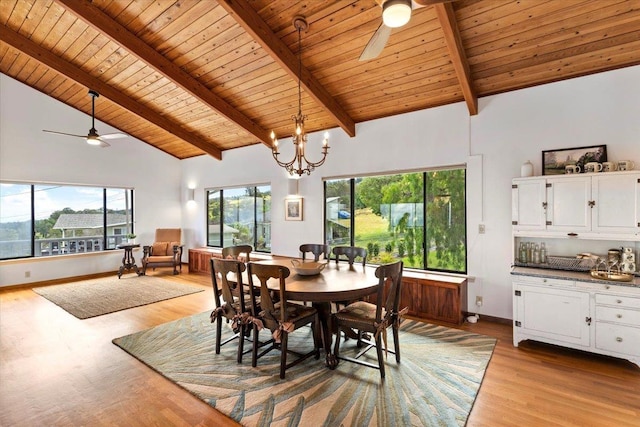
(337, 282)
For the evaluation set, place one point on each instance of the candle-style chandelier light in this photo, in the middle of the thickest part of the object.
(299, 137)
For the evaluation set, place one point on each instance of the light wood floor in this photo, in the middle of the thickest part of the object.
(56, 370)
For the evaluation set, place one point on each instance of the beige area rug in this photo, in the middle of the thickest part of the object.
(435, 384)
(90, 298)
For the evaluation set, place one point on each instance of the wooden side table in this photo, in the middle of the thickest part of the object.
(128, 262)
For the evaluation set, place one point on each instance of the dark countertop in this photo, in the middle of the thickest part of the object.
(569, 275)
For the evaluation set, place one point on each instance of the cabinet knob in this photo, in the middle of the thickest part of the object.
(619, 316)
(619, 339)
(544, 280)
(619, 301)
(607, 287)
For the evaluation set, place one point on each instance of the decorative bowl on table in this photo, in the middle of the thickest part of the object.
(308, 268)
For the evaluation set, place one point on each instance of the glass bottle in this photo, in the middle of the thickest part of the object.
(523, 253)
(536, 255)
(543, 253)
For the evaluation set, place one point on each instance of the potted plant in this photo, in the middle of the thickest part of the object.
(131, 238)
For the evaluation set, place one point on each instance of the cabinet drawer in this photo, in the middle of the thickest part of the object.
(544, 281)
(618, 315)
(618, 338)
(618, 300)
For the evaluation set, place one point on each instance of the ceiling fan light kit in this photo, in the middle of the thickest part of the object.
(93, 138)
(396, 13)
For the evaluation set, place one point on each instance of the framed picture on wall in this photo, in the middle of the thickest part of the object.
(554, 162)
(293, 209)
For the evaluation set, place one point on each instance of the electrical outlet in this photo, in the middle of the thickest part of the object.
(479, 301)
(27, 274)
(481, 228)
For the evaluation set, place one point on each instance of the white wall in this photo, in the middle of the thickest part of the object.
(28, 154)
(510, 129)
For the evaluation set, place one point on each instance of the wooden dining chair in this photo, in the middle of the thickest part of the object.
(351, 253)
(239, 252)
(226, 278)
(282, 318)
(375, 318)
(316, 249)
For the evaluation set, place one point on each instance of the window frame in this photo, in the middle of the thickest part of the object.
(104, 235)
(220, 190)
(352, 204)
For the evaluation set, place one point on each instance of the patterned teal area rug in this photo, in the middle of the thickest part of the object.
(435, 384)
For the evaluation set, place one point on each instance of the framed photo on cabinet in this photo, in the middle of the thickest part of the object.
(293, 209)
(554, 162)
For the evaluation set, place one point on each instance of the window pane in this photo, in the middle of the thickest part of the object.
(15, 221)
(263, 218)
(446, 220)
(238, 216)
(388, 218)
(214, 225)
(66, 215)
(119, 216)
(338, 212)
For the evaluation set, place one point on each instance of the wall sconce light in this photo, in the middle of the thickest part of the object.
(191, 195)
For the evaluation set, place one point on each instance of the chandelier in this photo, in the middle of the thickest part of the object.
(299, 137)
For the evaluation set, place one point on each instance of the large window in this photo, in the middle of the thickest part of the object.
(51, 219)
(418, 217)
(240, 216)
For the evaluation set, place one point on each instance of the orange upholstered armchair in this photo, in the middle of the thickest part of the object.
(166, 251)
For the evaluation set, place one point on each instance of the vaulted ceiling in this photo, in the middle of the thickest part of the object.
(193, 77)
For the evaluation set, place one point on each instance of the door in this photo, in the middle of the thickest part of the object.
(528, 203)
(551, 315)
(568, 204)
(617, 203)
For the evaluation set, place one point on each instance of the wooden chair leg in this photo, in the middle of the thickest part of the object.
(396, 342)
(241, 343)
(254, 353)
(283, 354)
(380, 355)
(336, 347)
(218, 333)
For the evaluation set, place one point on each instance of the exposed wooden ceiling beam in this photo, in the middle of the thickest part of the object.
(76, 74)
(253, 24)
(447, 18)
(119, 34)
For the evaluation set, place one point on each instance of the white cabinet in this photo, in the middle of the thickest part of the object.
(596, 317)
(552, 311)
(590, 205)
(616, 199)
(528, 204)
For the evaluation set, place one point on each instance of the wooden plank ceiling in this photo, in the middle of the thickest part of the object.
(193, 77)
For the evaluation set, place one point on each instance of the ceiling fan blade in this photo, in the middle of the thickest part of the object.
(376, 43)
(113, 135)
(62, 133)
(104, 144)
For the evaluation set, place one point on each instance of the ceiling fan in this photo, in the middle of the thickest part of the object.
(395, 14)
(93, 138)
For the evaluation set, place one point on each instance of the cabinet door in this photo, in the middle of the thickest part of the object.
(551, 315)
(617, 203)
(528, 201)
(568, 204)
